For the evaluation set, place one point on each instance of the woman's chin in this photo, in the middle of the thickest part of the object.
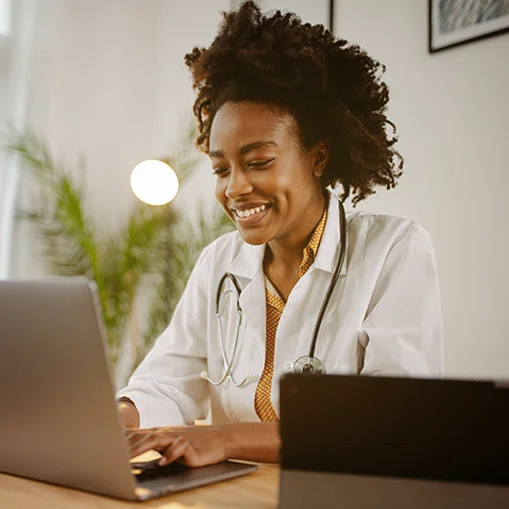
(253, 238)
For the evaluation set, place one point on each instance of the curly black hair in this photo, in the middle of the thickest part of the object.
(332, 88)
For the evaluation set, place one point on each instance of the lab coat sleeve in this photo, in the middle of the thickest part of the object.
(167, 388)
(402, 331)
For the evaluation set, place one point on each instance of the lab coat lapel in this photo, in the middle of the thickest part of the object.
(247, 266)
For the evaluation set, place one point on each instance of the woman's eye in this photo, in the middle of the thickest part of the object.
(260, 164)
(220, 172)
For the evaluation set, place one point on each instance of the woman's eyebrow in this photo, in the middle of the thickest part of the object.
(246, 148)
(257, 144)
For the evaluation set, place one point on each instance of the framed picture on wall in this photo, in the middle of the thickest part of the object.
(455, 22)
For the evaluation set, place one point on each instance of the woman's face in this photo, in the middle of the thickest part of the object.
(265, 181)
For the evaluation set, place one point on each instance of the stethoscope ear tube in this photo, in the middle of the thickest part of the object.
(228, 362)
(233, 279)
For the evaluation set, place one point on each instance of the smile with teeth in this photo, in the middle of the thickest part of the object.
(249, 212)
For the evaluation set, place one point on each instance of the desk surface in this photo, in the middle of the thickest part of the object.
(257, 490)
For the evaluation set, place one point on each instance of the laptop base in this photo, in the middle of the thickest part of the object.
(189, 478)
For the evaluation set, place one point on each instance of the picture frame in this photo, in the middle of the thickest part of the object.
(456, 22)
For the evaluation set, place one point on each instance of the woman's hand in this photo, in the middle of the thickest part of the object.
(194, 446)
(197, 446)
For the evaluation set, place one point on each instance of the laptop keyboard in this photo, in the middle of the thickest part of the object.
(151, 470)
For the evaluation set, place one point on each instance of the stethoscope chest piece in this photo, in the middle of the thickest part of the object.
(308, 365)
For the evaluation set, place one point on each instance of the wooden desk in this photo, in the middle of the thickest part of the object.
(258, 490)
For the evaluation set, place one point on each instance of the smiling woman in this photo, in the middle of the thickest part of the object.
(286, 113)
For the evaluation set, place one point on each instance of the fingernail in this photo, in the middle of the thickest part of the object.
(162, 462)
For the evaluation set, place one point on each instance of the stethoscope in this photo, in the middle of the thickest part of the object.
(309, 364)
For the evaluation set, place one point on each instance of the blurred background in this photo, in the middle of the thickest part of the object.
(90, 89)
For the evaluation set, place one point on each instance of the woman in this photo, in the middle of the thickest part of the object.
(285, 111)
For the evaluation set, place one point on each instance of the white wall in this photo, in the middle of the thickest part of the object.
(452, 111)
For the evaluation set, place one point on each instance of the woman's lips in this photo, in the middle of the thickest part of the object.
(251, 217)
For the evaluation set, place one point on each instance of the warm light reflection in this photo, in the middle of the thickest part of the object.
(154, 182)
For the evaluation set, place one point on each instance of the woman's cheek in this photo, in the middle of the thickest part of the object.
(219, 191)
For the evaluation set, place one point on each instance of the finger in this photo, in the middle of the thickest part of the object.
(139, 445)
(149, 442)
(191, 458)
(135, 435)
(183, 452)
(129, 432)
(175, 451)
(137, 439)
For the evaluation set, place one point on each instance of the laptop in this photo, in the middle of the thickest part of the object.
(58, 417)
(362, 442)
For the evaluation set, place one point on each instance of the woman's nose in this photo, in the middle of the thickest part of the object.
(238, 184)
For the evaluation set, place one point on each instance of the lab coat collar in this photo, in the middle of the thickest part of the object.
(249, 259)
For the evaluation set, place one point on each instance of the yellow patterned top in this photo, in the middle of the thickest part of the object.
(275, 306)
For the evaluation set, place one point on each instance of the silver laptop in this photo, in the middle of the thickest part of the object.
(372, 442)
(58, 416)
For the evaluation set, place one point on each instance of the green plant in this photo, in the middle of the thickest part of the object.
(157, 247)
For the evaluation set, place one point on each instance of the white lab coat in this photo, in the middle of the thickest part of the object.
(384, 318)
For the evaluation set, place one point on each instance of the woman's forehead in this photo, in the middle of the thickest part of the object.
(245, 123)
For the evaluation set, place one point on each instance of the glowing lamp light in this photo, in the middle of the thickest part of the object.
(154, 182)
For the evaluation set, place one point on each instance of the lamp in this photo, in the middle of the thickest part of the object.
(154, 182)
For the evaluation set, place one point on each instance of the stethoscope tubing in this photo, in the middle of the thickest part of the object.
(311, 359)
(229, 362)
(333, 282)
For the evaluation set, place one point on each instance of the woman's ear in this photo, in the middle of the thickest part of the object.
(320, 154)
